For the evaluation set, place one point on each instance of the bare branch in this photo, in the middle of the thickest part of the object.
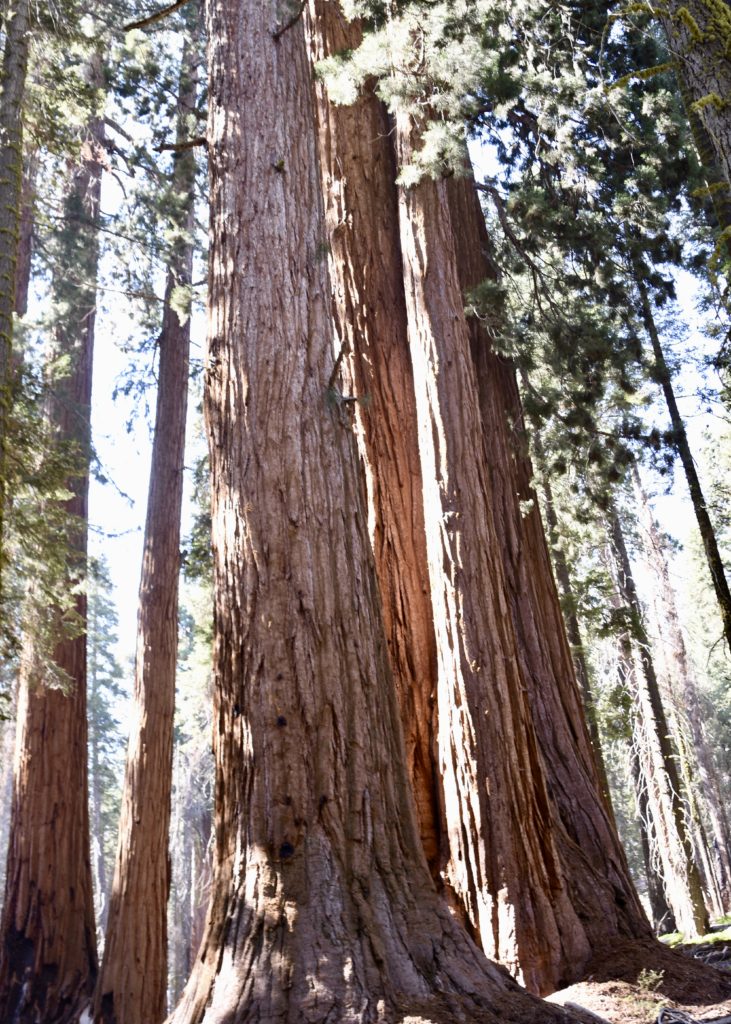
(157, 16)
(178, 147)
(276, 36)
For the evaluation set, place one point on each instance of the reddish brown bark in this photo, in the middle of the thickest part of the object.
(322, 905)
(591, 854)
(359, 173)
(504, 863)
(48, 963)
(132, 985)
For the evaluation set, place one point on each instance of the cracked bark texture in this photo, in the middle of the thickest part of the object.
(589, 849)
(699, 38)
(361, 210)
(504, 864)
(132, 984)
(322, 906)
(48, 964)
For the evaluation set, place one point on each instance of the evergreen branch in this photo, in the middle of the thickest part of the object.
(276, 36)
(179, 147)
(157, 16)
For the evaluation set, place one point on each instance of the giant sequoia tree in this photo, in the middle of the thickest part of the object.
(322, 902)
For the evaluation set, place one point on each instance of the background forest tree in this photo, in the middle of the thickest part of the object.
(400, 387)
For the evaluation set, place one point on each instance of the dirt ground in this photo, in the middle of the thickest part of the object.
(633, 983)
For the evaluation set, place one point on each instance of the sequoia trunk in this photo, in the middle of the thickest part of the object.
(132, 985)
(322, 904)
(503, 865)
(592, 858)
(359, 187)
(48, 939)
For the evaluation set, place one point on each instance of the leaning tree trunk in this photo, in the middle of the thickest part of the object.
(657, 757)
(48, 963)
(359, 175)
(322, 905)
(593, 861)
(12, 85)
(682, 446)
(132, 984)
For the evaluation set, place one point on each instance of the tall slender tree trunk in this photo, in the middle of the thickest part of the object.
(663, 919)
(48, 962)
(322, 905)
(680, 440)
(686, 698)
(132, 984)
(658, 759)
(593, 861)
(25, 234)
(12, 86)
(359, 175)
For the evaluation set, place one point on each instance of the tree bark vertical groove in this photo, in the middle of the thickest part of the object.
(132, 984)
(593, 861)
(359, 186)
(322, 905)
(504, 865)
(48, 936)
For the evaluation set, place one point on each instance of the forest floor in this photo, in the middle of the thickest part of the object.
(632, 986)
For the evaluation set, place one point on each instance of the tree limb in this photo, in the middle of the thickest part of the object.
(178, 147)
(157, 16)
(276, 36)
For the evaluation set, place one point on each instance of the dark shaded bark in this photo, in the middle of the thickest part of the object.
(322, 904)
(132, 983)
(48, 966)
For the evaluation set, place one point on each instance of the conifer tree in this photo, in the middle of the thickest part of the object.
(317, 844)
(682, 880)
(133, 979)
(47, 932)
(12, 87)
